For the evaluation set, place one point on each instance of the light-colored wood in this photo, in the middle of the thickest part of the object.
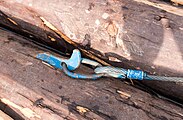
(164, 6)
(117, 28)
(4, 116)
(178, 2)
(25, 80)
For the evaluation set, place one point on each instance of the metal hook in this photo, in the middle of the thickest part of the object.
(78, 75)
(72, 63)
(68, 65)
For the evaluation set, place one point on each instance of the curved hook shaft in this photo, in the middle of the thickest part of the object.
(80, 76)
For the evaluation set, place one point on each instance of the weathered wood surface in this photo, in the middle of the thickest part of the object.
(25, 81)
(131, 33)
(4, 116)
(177, 2)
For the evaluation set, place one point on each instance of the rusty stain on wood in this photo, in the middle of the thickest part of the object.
(112, 29)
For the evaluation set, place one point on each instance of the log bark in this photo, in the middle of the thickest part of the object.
(132, 34)
(33, 90)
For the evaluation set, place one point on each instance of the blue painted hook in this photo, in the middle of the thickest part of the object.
(72, 63)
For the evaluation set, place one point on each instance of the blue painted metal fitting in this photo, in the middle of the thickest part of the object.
(80, 76)
(111, 71)
(135, 74)
(72, 63)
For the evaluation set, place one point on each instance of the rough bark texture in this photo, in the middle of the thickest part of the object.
(133, 34)
(36, 91)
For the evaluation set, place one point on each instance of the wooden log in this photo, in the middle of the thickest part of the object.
(132, 34)
(177, 2)
(26, 89)
(4, 116)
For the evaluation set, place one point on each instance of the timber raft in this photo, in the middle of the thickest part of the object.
(140, 34)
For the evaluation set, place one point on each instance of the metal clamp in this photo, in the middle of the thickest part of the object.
(78, 75)
(68, 65)
(120, 73)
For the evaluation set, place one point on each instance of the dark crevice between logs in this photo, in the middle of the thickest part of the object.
(60, 46)
(10, 112)
(41, 37)
(38, 39)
